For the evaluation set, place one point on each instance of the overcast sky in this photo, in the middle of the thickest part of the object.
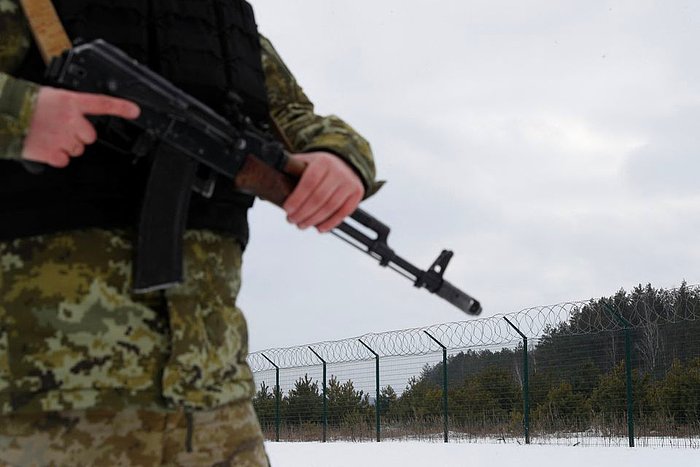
(552, 145)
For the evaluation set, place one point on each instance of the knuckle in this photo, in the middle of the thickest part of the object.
(76, 100)
(121, 107)
(58, 159)
(90, 137)
(89, 133)
(105, 104)
(312, 176)
(72, 120)
(118, 105)
(292, 202)
(316, 198)
(64, 95)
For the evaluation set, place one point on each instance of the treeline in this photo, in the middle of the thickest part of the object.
(576, 379)
(302, 406)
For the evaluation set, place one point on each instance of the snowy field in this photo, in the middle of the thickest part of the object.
(413, 453)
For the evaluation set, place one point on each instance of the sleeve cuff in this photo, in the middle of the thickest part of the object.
(17, 103)
(348, 153)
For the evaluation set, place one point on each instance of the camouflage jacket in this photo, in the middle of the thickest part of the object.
(71, 334)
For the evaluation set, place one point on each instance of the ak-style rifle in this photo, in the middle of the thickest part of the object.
(186, 137)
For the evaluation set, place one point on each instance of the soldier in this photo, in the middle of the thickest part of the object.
(91, 374)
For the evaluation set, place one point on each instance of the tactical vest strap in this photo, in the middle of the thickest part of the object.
(49, 34)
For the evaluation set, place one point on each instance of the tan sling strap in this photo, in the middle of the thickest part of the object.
(46, 27)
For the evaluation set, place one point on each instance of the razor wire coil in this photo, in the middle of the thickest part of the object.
(567, 318)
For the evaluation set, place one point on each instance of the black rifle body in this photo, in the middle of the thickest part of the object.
(188, 133)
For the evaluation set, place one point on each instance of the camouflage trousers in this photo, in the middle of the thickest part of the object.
(91, 374)
(226, 436)
(73, 336)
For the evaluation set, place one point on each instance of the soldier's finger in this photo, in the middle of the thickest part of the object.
(85, 131)
(311, 178)
(324, 210)
(315, 202)
(345, 210)
(76, 148)
(58, 158)
(99, 104)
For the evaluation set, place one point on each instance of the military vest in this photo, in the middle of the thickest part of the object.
(207, 48)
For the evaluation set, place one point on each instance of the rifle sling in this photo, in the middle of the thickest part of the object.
(49, 34)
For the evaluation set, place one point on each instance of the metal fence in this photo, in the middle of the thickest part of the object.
(620, 370)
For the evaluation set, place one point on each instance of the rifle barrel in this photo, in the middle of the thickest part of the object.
(380, 250)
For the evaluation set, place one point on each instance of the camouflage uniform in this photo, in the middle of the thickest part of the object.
(228, 436)
(93, 375)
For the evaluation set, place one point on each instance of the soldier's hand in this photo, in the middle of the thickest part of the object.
(327, 192)
(59, 128)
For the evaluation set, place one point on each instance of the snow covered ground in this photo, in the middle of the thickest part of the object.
(423, 454)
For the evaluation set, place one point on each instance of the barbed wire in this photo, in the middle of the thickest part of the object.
(644, 307)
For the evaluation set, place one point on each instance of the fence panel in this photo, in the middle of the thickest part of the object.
(623, 370)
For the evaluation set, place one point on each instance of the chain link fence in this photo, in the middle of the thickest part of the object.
(622, 370)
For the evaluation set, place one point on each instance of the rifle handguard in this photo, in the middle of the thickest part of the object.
(260, 179)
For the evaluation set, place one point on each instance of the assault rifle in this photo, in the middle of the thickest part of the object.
(192, 144)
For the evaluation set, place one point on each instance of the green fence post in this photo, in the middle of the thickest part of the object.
(526, 384)
(277, 397)
(628, 371)
(376, 404)
(444, 380)
(325, 399)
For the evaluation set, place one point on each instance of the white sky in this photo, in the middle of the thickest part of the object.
(551, 144)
